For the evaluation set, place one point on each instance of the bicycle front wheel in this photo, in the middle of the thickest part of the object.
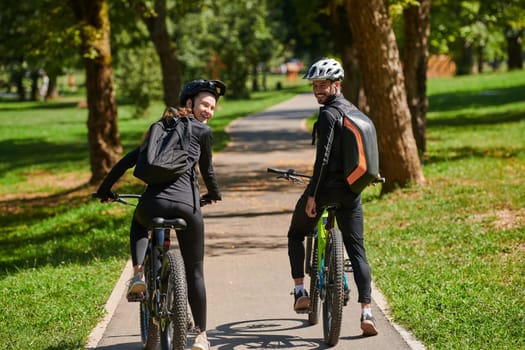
(174, 321)
(149, 330)
(334, 286)
(313, 313)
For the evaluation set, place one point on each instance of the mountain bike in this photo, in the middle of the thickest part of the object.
(326, 266)
(164, 315)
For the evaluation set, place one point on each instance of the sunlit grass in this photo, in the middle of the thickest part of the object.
(450, 256)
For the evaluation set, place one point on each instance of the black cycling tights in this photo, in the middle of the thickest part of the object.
(350, 221)
(191, 243)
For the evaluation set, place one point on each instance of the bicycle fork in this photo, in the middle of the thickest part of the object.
(322, 291)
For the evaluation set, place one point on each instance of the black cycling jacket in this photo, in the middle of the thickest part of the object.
(186, 188)
(332, 175)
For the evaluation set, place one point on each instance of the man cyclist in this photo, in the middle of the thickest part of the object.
(328, 185)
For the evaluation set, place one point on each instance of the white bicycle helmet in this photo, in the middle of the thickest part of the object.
(325, 69)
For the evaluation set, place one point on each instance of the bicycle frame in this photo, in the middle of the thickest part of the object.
(326, 222)
(158, 246)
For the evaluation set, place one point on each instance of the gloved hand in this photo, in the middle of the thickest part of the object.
(106, 196)
(211, 197)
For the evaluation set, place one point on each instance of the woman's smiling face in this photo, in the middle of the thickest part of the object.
(204, 106)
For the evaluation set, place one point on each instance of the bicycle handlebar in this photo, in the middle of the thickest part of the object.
(290, 174)
(120, 198)
(296, 177)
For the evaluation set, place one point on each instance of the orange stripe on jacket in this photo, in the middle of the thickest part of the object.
(361, 166)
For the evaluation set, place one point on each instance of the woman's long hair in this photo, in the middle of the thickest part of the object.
(169, 114)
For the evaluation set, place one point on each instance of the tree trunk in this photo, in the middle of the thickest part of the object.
(466, 60)
(514, 48)
(20, 89)
(170, 65)
(104, 140)
(479, 56)
(264, 76)
(352, 86)
(385, 90)
(53, 72)
(415, 60)
(255, 81)
(35, 92)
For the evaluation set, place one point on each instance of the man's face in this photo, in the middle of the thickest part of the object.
(323, 90)
(204, 106)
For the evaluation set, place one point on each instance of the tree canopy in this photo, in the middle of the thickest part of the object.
(156, 45)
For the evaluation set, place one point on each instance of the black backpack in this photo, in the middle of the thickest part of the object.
(164, 157)
(359, 149)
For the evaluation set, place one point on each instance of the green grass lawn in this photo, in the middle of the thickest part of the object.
(449, 256)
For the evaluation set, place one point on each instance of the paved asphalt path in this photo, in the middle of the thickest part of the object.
(246, 265)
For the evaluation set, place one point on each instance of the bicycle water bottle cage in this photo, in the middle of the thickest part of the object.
(177, 224)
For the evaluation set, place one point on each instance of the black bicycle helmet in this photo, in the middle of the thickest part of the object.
(191, 89)
(325, 69)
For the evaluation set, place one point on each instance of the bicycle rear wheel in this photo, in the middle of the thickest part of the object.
(334, 284)
(174, 323)
(149, 330)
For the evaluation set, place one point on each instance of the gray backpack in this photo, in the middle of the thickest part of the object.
(164, 157)
(360, 150)
(359, 147)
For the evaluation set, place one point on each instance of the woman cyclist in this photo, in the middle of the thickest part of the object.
(179, 198)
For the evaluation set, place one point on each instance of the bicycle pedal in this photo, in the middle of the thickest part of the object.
(134, 298)
(347, 266)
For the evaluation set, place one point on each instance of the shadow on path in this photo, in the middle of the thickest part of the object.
(262, 334)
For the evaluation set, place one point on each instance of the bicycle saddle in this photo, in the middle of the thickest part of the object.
(177, 223)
